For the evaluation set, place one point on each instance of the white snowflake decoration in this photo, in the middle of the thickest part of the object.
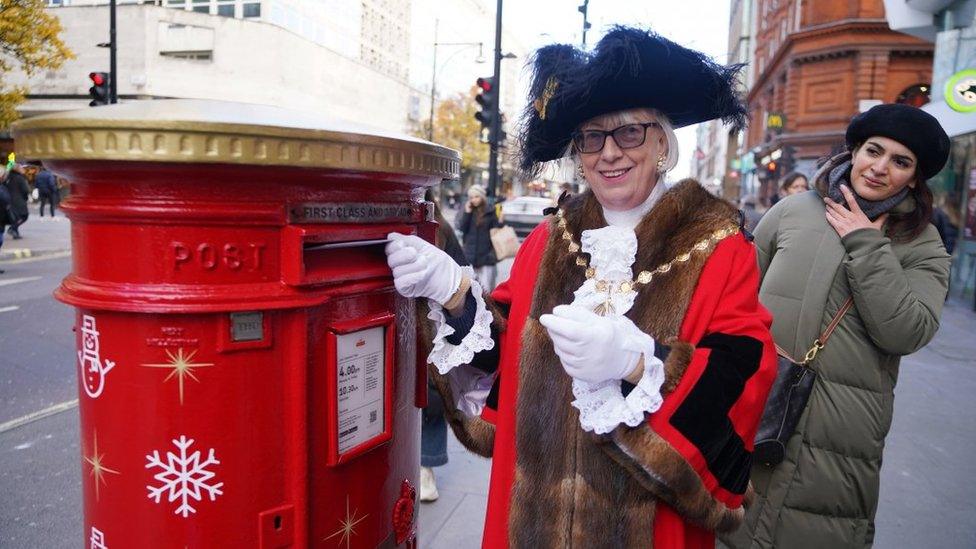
(183, 476)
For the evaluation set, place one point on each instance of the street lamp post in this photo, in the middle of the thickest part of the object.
(433, 74)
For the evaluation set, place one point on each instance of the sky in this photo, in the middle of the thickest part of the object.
(699, 24)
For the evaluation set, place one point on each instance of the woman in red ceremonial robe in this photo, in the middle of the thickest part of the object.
(617, 378)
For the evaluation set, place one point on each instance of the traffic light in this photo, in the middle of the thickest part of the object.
(771, 167)
(487, 98)
(99, 90)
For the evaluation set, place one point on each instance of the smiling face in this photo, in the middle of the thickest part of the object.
(620, 178)
(881, 168)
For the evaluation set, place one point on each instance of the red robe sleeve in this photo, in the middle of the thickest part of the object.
(694, 453)
(513, 299)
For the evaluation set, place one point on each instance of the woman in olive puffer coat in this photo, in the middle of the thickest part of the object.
(814, 253)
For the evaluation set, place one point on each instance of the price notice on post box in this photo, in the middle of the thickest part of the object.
(360, 380)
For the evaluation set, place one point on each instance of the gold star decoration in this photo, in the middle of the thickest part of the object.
(182, 366)
(348, 528)
(98, 468)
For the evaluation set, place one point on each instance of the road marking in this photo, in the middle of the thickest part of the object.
(10, 308)
(9, 281)
(40, 414)
(55, 255)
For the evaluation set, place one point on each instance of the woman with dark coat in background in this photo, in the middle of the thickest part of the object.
(475, 221)
(19, 190)
(4, 205)
(864, 233)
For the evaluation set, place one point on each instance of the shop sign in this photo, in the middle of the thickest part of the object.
(960, 91)
(775, 121)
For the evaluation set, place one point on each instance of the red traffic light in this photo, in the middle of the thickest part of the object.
(485, 84)
(771, 166)
(97, 78)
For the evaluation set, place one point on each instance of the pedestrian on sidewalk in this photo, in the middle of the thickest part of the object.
(4, 205)
(619, 411)
(19, 189)
(47, 188)
(863, 233)
(749, 211)
(791, 183)
(475, 222)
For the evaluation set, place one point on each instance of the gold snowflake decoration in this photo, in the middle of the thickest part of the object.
(98, 468)
(182, 366)
(348, 528)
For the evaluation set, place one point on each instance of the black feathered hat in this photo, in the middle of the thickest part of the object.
(914, 128)
(629, 68)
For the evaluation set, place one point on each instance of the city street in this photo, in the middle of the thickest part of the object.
(927, 478)
(41, 472)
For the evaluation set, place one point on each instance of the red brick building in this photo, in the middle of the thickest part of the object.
(818, 62)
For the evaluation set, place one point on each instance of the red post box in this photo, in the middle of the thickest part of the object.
(247, 374)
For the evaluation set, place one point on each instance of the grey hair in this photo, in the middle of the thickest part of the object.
(634, 116)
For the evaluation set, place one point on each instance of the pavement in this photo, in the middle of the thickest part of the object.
(41, 236)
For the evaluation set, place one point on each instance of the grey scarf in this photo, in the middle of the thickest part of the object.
(841, 174)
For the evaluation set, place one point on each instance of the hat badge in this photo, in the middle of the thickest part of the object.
(542, 102)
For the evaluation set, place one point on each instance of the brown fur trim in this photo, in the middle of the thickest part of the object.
(590, 498)
(676, 364)
(473, 433)
(750, 496)
(662, 470)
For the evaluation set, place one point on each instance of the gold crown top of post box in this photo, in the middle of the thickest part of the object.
(205, 131)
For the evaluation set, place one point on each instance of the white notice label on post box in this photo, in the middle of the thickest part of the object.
(360, 390)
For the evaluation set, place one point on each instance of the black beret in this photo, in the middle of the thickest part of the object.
(629, 68)
(914, 128)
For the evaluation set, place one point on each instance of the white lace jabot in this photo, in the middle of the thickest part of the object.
(602, 406)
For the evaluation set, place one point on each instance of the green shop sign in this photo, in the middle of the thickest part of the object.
(960, 91)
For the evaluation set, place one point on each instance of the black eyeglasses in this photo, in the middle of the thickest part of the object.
(628, 136)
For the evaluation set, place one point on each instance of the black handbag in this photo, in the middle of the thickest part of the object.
(788, 397)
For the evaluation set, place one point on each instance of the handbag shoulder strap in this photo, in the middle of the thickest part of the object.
(822, 340)
(836, 320)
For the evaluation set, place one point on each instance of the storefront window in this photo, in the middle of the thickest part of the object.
(954, 205)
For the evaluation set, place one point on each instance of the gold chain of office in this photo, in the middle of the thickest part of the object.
(643, 278)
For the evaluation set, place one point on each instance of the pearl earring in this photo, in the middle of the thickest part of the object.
(579, 172)
(660, 163)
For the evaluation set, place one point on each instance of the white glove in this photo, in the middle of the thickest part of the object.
(421, 269)
(595, 348)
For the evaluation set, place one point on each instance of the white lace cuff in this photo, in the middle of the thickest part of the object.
(444, 355)
(602, 406)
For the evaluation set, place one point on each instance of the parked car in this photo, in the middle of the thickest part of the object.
(524, 213)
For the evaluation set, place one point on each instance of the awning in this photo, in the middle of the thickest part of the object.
(955, 123)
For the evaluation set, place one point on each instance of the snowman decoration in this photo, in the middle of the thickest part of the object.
(92, 370)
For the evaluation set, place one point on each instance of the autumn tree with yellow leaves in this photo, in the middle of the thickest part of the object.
(29, 41)
(456, 127)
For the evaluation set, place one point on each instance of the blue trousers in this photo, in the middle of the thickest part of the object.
(433, 431)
